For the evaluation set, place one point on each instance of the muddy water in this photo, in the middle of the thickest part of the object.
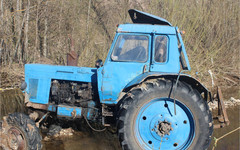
(90, 140)
(108, 141)
(84, 141)
(231, 141)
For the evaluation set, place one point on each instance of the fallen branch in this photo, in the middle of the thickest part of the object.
(226, 78)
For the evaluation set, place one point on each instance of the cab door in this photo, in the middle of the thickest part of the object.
(128, 58)
(165, 57)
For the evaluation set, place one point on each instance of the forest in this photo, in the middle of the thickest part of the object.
(44, 31)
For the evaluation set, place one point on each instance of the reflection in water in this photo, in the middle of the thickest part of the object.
(231, 141)
(85, 140)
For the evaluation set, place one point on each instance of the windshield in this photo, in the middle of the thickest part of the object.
(131, 48)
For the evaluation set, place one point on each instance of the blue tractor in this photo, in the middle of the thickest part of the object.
(140, 89)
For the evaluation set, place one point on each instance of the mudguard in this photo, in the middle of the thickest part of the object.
(183, 77)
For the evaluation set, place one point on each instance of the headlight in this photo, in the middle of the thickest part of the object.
(23, 86)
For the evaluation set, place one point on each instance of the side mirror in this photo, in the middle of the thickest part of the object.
(23, 86)
(99, 63)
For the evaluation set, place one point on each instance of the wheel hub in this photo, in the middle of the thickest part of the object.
(12, 137)
(15, 139)
(160, 129)
(164, 128)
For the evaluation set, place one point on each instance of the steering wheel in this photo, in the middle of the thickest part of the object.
(142, 53)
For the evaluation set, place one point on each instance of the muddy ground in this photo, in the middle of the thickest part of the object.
(77, 135)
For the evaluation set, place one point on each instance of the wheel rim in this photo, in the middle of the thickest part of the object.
(156, 126)
(16, 139)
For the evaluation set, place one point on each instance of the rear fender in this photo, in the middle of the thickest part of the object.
(195, 84)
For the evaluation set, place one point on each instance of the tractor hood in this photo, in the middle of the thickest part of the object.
(146, 18)
(82, 74)
(39, 76)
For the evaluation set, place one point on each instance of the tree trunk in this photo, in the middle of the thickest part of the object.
(89, 6)
(37, 38)
(17, 50)
(60, 41)
(2, 13)
(45, 31)
(2, 52)
(18, 29)
(25, 55)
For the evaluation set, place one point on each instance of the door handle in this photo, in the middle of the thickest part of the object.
(144, 68)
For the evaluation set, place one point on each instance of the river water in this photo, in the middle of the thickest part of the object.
(86, 139)
(232, 140)
(90, 140)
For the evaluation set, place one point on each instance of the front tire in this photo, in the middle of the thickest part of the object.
(20, 132)
(147, 119)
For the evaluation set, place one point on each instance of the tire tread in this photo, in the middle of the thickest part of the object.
(162, 84)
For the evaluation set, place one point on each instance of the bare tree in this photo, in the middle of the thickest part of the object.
(45, 30)
(1, 12)
(37, 35)
(26, 31)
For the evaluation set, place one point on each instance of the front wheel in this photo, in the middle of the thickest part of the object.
(147, 119)
(18, 132)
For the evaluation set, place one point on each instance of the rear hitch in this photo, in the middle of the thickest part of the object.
(222, 116)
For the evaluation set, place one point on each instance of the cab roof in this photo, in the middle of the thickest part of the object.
(146, 28)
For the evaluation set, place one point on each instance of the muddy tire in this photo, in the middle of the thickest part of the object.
(147, 120)
(22, 133)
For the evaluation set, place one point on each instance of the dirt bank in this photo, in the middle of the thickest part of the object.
(11, 100)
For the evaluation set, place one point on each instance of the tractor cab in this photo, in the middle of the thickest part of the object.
(148, 46)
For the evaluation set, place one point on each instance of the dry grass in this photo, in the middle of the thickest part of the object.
(11, 76)
(211, 39)
(11, 100)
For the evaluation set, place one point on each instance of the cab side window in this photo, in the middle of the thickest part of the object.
(161, 48)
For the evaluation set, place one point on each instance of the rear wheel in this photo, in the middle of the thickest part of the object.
(147, 119)
(19, 132)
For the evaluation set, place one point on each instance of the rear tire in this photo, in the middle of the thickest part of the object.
(146, 117)
(22, 133)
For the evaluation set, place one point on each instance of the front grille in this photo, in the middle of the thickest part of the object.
(33, 87)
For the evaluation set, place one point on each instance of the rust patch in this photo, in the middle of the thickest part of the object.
(72, 58)
(37, 106)
(74, 113)
(222, 113)
(107, 99)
